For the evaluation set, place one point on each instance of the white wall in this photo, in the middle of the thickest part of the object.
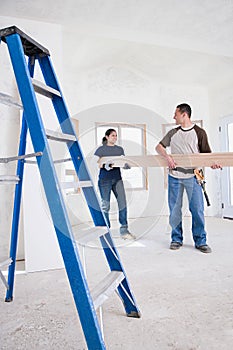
(41, 248)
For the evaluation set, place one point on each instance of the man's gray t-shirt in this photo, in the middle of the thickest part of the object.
(184, 141)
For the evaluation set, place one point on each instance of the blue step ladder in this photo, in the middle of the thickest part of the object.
(21, 46)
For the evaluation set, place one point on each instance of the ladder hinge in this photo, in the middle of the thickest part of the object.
(220, 129)
(222, 205)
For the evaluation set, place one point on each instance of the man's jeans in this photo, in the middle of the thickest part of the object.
(105, 187)
(196, 206)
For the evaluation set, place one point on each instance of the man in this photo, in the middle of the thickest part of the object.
(186, 138)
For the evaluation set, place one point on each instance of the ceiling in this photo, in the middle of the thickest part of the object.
(171, 33)
(199, 25)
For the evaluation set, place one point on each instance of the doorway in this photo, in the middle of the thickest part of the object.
(226, 128)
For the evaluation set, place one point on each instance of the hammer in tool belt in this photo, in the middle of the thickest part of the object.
(201, 180)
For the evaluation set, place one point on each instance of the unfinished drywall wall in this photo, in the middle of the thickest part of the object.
(40, 247)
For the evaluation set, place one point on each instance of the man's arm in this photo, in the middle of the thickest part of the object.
(162, 152)
(203, 144)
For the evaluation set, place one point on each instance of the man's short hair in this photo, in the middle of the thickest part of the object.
(185, 108)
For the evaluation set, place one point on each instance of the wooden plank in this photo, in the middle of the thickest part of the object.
(192, 160)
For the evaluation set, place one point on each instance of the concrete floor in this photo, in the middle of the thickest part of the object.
(185, 296)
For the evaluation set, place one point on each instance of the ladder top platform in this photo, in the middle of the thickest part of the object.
(30, 46)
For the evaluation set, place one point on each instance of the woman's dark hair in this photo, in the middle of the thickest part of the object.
(107, 133)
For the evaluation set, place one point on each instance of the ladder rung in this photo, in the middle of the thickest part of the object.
(4, 280)
(76, 184)
(64, 160)
(9, 101)
(106, 287)
(12, 159)
(59, 136)
(9, 179)
(58, 161)
(43, 89)
(83, 184)
(5, 262)
(91, 234)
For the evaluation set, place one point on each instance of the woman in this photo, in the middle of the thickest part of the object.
(110, 180)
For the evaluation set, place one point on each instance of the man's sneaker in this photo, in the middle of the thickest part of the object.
(129, 236)
(204, 248)
(175, 245)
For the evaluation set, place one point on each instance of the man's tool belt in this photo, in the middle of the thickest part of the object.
(185, 171)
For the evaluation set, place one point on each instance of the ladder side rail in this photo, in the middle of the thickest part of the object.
(17, 202)
(94, 206)
(58, 101)
(90, 193)
(55, 200)
(110, 252)
(74, 148)
(16, 213)
(115, 264)
(64, 118)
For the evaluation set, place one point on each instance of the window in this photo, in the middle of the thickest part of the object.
(132, 137)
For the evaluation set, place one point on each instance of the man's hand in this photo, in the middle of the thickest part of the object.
(216, 166)
(162, 151)
(170, 162)
(126, 166)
